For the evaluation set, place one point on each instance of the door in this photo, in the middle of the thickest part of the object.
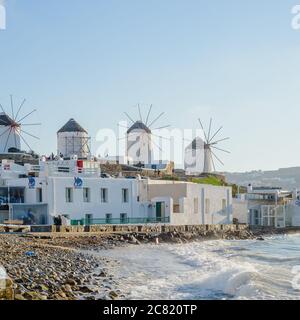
(160, 211)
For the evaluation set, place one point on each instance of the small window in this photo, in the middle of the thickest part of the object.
(207, 206)
(104, 195)
(138, 199)
(69, 195)
(196, 205)
(123, 217)
(86, 195)
(108, 218)
(39, 195)
(124, 195)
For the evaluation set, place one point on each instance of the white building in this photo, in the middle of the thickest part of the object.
(269, 207)
(74, 189)
(73, 140)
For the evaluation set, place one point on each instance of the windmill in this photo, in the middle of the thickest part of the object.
(139, 149)
(12, 126)
(203, 152)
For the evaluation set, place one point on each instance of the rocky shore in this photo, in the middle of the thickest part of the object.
(50, 272)
(55, 266)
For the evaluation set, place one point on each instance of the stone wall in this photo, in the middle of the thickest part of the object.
(150, 228)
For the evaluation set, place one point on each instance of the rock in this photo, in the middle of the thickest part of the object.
(86, 289)
(71, 282)
(67, 288)
(19, 297)
(113, 295)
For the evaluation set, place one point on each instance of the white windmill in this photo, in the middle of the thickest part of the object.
(200, 154)
(139, 138)
(12, 128)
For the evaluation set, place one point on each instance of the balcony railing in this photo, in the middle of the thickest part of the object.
(113, 221)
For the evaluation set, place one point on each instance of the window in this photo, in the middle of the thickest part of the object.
(69, 195)
(86, 195)
(125, 195)
(123, 217)
(108, 217)
(39, 195)
(207, 206)
(104, 195)
(196, 205)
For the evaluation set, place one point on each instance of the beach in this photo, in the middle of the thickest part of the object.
(134, 266)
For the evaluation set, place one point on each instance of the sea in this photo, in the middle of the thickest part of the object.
(210, 270)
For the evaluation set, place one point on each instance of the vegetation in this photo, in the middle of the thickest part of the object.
(212, 180)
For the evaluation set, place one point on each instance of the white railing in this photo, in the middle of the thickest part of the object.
(63, 170)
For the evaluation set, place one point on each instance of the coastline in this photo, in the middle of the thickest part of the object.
(55, 266)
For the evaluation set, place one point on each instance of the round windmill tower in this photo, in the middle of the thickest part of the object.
(200, 155)
(73, 140)
(12, 131)
(139, 142)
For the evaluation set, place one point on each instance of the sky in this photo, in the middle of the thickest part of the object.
(235, 61)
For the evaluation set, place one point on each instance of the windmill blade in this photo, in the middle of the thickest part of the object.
(4, 132)
(215, 134)
(215, 142)
(148, 115)
(12, 107)
(29, 134)
(220, 149)
(155, 135)
(25, 142)
(128, 116)
(27, 115)
(217, 157)
(168, 126)
(203, 130)
(31, 124)
(157, 146)
(2, 108)
(213, 162)
(7, 139)
(140, 113)
(15, 137)
(22, 104)
(156, 119)
(4, 123)
(209, 130)
(131, 134)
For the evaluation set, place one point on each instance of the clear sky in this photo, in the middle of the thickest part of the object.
(237, 61)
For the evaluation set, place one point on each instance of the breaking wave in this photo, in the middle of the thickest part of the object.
(216, 269)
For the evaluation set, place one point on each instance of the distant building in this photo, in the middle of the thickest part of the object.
(267, 207)
(73, 140)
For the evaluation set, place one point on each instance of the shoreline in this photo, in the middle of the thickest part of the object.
(56, 266)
